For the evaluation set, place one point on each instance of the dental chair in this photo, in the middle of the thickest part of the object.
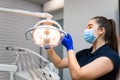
(31, 66)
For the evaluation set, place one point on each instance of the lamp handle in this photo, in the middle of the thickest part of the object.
(48, 20)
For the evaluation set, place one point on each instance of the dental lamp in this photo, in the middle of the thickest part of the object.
(46, 32)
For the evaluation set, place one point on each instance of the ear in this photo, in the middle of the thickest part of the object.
(101, 30)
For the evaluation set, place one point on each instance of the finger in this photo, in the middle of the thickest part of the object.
(69, 36)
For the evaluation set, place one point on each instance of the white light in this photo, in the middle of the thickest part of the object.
(46, 36)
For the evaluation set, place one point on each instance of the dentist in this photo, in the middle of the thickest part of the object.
(99, 62)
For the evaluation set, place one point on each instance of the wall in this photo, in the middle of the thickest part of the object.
(78, 13)
(12, 30)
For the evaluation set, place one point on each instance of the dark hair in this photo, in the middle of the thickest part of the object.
(110, 31)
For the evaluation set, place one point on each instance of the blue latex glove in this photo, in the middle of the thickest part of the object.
(68, 42)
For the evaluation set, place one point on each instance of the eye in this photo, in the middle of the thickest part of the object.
(90, 26)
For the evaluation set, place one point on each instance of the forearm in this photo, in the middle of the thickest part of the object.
(54, 57)
(73, 64)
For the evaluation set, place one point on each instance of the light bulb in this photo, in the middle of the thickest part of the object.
(46, 36)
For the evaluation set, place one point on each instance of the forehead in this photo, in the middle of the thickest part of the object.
(92, 23)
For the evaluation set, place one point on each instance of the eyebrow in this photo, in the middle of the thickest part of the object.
(90, 24)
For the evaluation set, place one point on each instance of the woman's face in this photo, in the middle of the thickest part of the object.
(93, 32)
(92, 24)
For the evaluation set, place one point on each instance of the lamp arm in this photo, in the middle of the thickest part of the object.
(28, 13)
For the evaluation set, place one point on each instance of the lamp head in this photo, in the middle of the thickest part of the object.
(47, 33)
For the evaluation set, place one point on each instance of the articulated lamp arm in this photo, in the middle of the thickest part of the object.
(28, 13)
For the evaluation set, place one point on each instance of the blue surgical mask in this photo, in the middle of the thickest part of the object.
(89, 36)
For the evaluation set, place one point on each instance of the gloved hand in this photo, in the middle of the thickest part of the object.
(68, 42)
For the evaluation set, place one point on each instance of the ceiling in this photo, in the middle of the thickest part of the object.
(51, 6)
(39, 1)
